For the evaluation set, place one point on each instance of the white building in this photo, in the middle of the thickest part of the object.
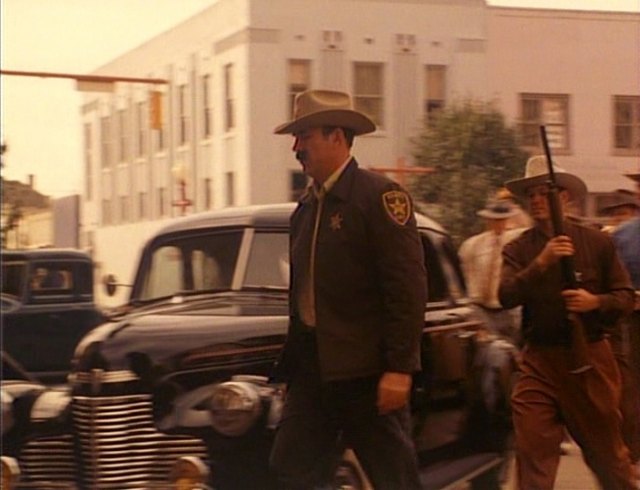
(233, 69)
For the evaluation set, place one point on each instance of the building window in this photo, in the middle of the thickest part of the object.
(299, 79)
(124, 209)
(142, 205)
(549, 110)
(88, 161)
(231, 198)
(229, 100)
(123, 132)
(298, 185)
(141, 124)
(162, 201)
(206, 106)
(626, 125)
(160, 120)
(208, 193)
(368, 91)
(106, 212)
(434, 91)
(183, 118)
(105, 141)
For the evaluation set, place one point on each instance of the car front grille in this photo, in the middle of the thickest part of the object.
(48, 461)
(115, 446)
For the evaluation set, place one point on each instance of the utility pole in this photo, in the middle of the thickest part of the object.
(402, 170)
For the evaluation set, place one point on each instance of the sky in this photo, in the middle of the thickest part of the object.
(40, 116)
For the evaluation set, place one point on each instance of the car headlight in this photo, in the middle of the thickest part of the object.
(10, 472)
(6, 400)
(50, 404)
(235, 406)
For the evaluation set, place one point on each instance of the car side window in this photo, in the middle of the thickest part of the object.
(48, 279)
(268, 264)
(191, 263)
(13, 278)
(165, 274)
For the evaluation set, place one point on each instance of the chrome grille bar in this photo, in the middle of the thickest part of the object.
(49, 460)
(120, 445)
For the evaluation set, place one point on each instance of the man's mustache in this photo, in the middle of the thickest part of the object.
(301, 155)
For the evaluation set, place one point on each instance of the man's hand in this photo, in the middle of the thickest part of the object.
(580, 300)
(556, 248)
(393, 391)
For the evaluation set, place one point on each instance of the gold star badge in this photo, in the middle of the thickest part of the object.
(335, 222)
(398, 206)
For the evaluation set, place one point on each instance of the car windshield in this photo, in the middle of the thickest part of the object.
(13, 278)
(214, 261)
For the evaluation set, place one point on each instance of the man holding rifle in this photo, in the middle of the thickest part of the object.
(572, 287)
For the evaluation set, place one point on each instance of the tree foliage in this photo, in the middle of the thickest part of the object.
(472, 152)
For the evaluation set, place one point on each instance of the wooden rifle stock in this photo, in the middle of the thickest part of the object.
(579, 344)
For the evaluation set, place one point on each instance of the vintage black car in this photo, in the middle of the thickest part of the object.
(47, 307)
(178, 381)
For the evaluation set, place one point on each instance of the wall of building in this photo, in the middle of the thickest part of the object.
(589, 56)
(489, 53)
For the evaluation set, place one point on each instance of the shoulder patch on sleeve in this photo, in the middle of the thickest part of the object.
(397, 205)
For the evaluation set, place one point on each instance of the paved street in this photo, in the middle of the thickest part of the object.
(573, 474)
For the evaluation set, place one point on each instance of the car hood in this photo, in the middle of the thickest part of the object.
(202, 327)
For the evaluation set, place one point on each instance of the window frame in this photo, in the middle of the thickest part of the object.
(530, 127)
(360, 96)
(633, 125)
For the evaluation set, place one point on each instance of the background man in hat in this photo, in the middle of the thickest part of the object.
(549, 395)
(357, 297)
(625, 211)
(624, 207)
(481, 257)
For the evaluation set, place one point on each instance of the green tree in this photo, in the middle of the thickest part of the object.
(472, 152)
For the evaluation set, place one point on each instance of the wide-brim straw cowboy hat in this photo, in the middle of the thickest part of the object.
(537, 173)
(500, 209)
(318, 108)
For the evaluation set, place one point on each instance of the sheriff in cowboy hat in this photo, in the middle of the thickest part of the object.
(349, 326)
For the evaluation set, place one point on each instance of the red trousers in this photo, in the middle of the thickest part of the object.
(547, 397)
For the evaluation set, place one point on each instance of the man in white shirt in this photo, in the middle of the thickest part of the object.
(481, 257)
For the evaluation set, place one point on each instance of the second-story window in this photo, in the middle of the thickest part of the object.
(105, 141)
(229, 99)
(299, 79)
(88, 161)
(106, 212)
(142, 205)
(208, 193)
(206, 106)
(626, 125)
(434, 90)
(183, 118)
(123, 132)
(141, 125)
(368, 91)
(125, 211)
(162, 198)
(158, 119)
(231, 188)
(550, 110)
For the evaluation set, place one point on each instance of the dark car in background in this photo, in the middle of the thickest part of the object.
(47, 307)
(176, 387)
